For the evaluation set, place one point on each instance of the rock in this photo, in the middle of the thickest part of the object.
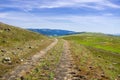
(102, 75)
(14, 53)
(21, 60)
(4, 41)
(7, 60)
(79, 70)
(7, 29)
(72, 73)
(22, 78)
(3, 50)
(20, 48)
(91, 67)
(79, 77)
(30, 47)
(119, 76)
(99, 56)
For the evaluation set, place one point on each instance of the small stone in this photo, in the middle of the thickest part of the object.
(91, 68)
(99, 56)
(3, 51)
(30, 47)
(21, 78)
(19, 48)
(21, 60)
(119, 75)
(72, 73)
(14, 53)
(3, 41)
(7, 29)
(79, 76)
(102, 75)
(7, 59)
(9, 62)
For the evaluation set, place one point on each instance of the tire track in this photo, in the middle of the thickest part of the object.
(21, 70)
(66, 69)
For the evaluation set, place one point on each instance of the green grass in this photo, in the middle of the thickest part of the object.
(99, 51)
(102, 41)
(16, 36)
(83, 60)
(109, 62)
(45, 68)
(18, 44)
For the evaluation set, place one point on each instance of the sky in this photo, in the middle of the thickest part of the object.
(75, 15)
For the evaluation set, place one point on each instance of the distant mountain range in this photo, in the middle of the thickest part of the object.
(114, 34)
(117, 34)
(53, 32)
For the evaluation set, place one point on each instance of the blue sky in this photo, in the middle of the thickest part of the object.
(76, 15)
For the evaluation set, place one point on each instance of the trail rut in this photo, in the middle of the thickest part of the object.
(66, 70)
(21, 70)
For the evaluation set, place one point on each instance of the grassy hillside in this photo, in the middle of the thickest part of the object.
(97, 55)
(97, 40)
(16, 45)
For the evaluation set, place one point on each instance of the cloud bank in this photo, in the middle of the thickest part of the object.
(78, 15)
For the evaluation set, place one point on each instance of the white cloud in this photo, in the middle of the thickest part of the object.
(30, 4)
(105, 23)
(3, 15)
(109, 4)
(108, 14)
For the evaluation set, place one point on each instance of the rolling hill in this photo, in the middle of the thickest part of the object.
(16, 45)
(70, 56)
(96, 54)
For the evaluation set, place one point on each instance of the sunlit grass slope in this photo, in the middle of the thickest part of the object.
(17, 44)
(97, 40)
(96, 55)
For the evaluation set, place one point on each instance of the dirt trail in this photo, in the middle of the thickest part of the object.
(19, 71)
(66, 69)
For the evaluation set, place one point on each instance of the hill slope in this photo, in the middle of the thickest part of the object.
(97, 55)
(16, 45)
(97, 40)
